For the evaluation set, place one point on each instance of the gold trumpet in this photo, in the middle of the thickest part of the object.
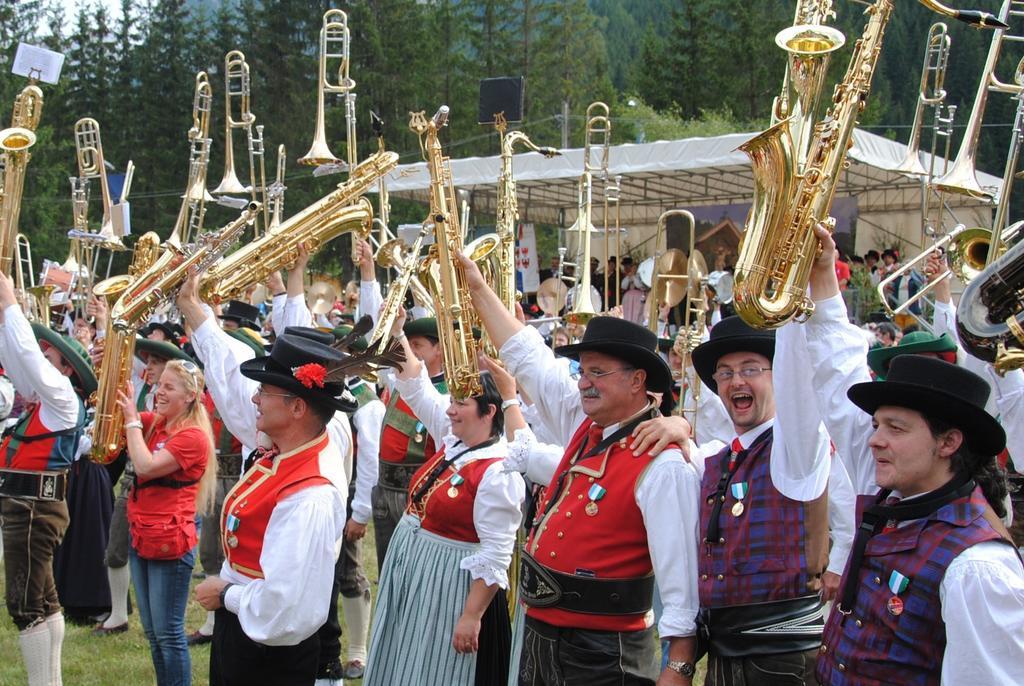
(333, 32)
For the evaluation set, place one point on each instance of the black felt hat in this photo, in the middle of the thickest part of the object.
(172, 332)
(939, 389)
(242, 312)
(731, 335)
(631, 343)
(299, 365)
(323, 337)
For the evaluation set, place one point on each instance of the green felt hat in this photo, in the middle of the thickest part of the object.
(144, 347)
(665, 344)
(913, 343)
(344, 330)
(250, 338)
(424, 326)
(72, 351)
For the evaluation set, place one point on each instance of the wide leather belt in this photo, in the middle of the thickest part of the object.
(542, 587)
(396, 477)
(781, 626)
(19, 483)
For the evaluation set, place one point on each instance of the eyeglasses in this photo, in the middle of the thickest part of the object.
(263, 393)
(745, 373)
(593, 376)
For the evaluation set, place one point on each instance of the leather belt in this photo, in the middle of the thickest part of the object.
(542, 587)
(780, 626)
(396, 476)
(20, 483)
(229, 464)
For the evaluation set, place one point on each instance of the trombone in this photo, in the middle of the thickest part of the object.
(237, 86)
(193, 204)
(930, 94)
(675, 273)
(335, 43)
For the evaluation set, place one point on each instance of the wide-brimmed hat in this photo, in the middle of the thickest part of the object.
(939, 389)
(72, 351)
(424, 326)
(242, 312)
(310, 333)
(731, 335)
(340, 332)
(172, 332)
(299, 365)
(250, 338)
(913, 343)
(631, 343)
(144, 347)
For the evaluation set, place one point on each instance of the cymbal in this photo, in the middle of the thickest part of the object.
(671, 278)
(551, 296)
(698, 272)
(320, 297)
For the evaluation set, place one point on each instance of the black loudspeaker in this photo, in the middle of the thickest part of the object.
(501, 94)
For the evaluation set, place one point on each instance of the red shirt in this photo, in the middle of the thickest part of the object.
(842, 274)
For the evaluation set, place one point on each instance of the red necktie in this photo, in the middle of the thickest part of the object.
(891, 524)
(736, 448)
(595, 434)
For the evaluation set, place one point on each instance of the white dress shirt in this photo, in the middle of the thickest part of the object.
(982, 591)
(667, 493)
(497, 510)
(370, 299)
(290, 602)
(32, 374)
(367, 421)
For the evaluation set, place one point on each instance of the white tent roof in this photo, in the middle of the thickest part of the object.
(666, 174)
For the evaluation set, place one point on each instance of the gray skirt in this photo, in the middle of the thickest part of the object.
(421, 597)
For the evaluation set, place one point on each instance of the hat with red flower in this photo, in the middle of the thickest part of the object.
(299, 365)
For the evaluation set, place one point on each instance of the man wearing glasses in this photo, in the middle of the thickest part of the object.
(763, 509)
(614, 514)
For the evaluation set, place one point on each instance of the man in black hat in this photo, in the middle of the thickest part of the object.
(612, 517)
(238, 315)
(763, 509)
(281, 524)
(934, 591)
(54, 373)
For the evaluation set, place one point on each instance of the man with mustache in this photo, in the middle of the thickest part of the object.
(614, 513)
(763, 510)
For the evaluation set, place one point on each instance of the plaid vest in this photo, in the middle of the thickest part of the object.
(883, 642)
(761, 553)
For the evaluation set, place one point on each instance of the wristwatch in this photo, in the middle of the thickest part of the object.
(683, 668)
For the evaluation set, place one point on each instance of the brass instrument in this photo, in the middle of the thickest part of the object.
(333, 32)
(36, 299)
(930, 94)
(582, 305)
(390, 255)
(961, 177)
(275, 194)
(779, 247)
(383, 218)
(193, 204)
(394, 254)
(118, 354)
(162, 281)
(691, 335)
(809, 44)
(990, 318)
(15, 142)
(344, 209)
(237, 86)
(670, 279)
(508, 211)
(447, 283)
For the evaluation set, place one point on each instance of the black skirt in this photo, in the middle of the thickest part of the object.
(495, 643)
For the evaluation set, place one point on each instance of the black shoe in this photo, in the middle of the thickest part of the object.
(331, 670)
(101, 630)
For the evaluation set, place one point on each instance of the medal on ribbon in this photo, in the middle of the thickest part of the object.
(453, 492)
(595, 493)
(739, 492)
(419, 432)
(231, 523)
(897, 584)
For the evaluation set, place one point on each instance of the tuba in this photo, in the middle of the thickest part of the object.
(15, 142)
(333, 32)
(119, 351)
(990, 318)
(441, 271)
(778, 247)
(344, 209)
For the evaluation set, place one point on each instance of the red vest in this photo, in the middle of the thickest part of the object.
(52, 453)
(248, 506)
(447, 508)
(610, 544)
(403, 438)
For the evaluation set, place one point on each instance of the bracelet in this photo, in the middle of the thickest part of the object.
(223, 593)
(133, 425)
(511, 402)
(277, 295)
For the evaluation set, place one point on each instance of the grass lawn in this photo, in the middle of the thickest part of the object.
(123, 659)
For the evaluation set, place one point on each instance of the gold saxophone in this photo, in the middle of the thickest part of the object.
(118, 353)
(15, 143)
(344, 209)
(778, 247)
(441, 271)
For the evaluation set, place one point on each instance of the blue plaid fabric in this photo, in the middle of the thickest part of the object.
(762, 557)
(872, 645)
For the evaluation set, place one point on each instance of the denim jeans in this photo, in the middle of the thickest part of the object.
(161, 590)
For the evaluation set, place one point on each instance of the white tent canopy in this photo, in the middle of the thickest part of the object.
(690, 173)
